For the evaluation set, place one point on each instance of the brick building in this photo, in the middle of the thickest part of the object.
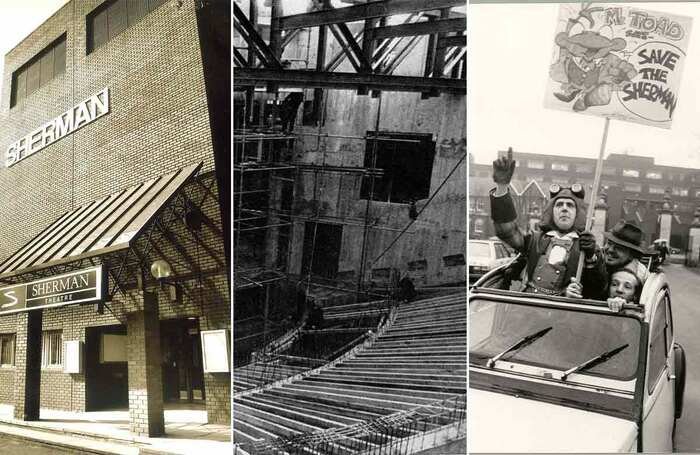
(112, 163)
(635, 187)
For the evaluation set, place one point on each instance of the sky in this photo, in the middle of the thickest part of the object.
(18, 18)
(511, 48)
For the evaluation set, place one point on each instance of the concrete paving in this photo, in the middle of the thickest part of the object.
(107, 432)
(23, 447)
(685, 288)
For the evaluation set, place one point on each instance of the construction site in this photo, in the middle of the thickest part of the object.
(349, 227)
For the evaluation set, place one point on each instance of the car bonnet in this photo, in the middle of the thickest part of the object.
(504, 423)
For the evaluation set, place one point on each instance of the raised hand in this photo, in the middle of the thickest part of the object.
(503, 168)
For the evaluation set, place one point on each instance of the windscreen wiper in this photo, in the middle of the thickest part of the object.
(597, 360)
(521, 343)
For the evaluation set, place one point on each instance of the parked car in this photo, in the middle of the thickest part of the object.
(675, 250)
(486, 255)
(553, 374)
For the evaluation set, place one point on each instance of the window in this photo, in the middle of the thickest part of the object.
(609, 171)
(7, 349)
(421, 264)
(533, 164)
(478, 226)
(697, 193)
(657, 347)
(654, 189)
(312, 107)
(584, 168)
(560, 167)
(39, 71)
(633, 187)
(113, 17)
(501, 251)
(630, 173)
(407, 162)
(654, 175)
(51, 348)
(454, 260)
(679, 191)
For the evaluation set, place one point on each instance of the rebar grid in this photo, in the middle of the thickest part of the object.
(394, 434)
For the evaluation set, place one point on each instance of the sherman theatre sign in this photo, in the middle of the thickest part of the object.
(73, 119)
(75, 287)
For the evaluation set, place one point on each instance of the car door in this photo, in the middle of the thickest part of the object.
(658, 416)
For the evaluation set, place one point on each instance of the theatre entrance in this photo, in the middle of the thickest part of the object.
(106, 374)
(183, 373)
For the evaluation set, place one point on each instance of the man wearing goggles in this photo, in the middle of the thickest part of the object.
(552, 253)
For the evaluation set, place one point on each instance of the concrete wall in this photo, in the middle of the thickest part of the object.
(438, 232)
(158, 123)
(441, 228)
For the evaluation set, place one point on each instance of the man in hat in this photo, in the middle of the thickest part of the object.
(553, 252)
(623, 250)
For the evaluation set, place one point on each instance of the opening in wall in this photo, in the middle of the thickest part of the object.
(407, 162)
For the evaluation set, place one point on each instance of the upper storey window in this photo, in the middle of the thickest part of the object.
(113, 17)
(38, 71)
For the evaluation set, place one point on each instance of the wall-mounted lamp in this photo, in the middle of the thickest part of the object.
(162, 271)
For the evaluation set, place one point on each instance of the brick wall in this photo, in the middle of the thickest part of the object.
(158, 120)
(158, 123)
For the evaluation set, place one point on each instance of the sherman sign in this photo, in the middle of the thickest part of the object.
(75, 287)
(73, 119)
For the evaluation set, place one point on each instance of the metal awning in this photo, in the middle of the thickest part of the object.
(108, 225)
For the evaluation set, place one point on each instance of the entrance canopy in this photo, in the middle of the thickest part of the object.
(109, 225)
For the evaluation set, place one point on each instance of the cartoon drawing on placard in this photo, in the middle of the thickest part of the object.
(588, 69)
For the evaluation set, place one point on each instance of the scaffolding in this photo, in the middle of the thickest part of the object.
(267, 172)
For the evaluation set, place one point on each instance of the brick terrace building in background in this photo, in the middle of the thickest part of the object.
(145, 347)
(635, 188)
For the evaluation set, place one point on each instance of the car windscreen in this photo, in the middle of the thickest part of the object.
(478, 249)
(575, 337)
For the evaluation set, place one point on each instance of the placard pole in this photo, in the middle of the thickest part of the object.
(594, 193)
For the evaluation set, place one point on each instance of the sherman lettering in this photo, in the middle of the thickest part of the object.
(73, 119)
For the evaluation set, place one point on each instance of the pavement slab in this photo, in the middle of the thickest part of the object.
(108, 433)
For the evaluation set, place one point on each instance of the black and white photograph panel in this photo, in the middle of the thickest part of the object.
(584, 244)
(349, 212)
(115, 311)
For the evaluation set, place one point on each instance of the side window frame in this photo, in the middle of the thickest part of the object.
(655, 336)
(669, 324)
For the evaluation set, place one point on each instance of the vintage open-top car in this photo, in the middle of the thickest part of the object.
(554, 374)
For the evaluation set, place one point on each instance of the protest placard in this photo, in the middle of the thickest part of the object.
(618, 62)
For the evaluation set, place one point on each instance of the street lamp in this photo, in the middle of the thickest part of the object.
(162, 271)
